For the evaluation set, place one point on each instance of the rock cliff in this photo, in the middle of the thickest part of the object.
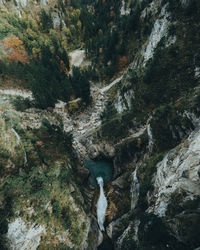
(143, 62)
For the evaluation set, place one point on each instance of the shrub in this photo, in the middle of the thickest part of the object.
(65, 176)
(56, 210)
(66, 218)
(21, 104)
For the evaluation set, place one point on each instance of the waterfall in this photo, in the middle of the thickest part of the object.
(18, 142)
(25, 158)
(101, 205)
(134, 189)
(150, 146)
(17, 136)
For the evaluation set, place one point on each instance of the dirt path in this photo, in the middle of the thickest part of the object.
(16, 92)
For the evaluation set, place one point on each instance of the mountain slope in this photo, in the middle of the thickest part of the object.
(134, 101)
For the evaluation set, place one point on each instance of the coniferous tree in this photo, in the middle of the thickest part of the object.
(46, 20)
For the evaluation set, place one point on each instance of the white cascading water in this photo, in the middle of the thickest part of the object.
(149, 132)
(17, 136)
(18, 142)
(134, 189)
(101, 205)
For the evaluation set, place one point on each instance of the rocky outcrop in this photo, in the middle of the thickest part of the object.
(177, 173)
(174, 201)
(159, 30)
(20, 237)
(153, 106)
(101, 150)
(77, 57)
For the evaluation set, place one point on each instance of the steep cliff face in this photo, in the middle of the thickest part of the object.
(41, 202)
(164, 213)
(153, 107)
(143, 117)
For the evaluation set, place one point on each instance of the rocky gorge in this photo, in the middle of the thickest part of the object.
(142, 126)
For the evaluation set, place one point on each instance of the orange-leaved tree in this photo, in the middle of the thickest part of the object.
(16, 49)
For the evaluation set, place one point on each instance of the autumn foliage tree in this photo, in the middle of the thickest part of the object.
(16, 50)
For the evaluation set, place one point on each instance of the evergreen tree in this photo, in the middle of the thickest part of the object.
(46, 20)
(80, 84)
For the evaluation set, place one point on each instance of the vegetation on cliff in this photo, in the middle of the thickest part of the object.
(36, 53)
(37, 181)
(151, 49)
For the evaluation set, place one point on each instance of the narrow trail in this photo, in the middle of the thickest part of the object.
(16, 92)
(105, 89)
